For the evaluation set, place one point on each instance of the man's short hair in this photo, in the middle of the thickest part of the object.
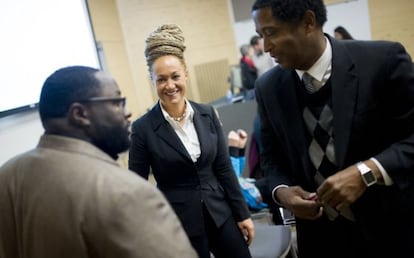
(292, 11)
(254, 40)
(65, 86)
(244, 49)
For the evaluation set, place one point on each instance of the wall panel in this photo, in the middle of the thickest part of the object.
(207, 28)
(393, 20)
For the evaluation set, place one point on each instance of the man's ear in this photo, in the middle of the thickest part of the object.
(309, 20)
(79, 115)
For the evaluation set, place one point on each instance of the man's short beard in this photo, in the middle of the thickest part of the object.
(113, 140)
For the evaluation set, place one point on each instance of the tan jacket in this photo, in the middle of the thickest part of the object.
(67, 198)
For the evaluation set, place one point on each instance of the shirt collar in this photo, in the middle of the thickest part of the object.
(189, 112)
(323, 64)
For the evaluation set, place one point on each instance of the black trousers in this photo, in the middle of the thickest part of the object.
(224, 242)
(340, 238)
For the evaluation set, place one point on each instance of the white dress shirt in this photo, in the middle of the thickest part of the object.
(186, 132)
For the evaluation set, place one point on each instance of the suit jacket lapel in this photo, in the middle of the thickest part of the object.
(287, 97)
(344, 90)
(202, 125)
(165, 131)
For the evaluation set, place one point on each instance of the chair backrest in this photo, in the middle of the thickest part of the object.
(238, 115)
(271, 241)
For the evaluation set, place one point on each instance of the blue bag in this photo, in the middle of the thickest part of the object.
(249, 190)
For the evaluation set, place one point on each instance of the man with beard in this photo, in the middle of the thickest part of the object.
(68, 197)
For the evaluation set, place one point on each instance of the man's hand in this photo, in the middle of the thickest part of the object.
(302, 204)
(345, 187)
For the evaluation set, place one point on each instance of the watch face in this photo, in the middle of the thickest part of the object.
(369, 178)
(367, 175)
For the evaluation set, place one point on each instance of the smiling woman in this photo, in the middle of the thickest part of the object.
(182, 142)
(41, 36)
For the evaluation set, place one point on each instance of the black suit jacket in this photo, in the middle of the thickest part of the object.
(373, 110)
(187, 185)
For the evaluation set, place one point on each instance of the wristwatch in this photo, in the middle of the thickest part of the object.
(366, 173)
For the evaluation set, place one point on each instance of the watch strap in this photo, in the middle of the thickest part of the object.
(367, 174)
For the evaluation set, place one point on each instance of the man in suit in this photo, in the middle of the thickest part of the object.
(68, 197)
(337, 129)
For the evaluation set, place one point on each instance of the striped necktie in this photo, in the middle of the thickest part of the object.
(308, 82)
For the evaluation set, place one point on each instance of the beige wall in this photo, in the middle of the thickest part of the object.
(393, 20)
(390, 20)
(107, 29)
(122, 26)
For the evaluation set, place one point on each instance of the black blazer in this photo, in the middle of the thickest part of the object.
(373, 109)
(187, 185)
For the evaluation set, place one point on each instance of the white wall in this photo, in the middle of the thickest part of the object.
(352, 15)
(19, 133)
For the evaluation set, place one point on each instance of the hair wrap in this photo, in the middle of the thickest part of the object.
(167, 39)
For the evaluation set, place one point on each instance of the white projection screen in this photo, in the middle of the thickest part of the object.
(37, 38)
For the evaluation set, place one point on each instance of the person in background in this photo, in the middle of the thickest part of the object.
(182, 142)
(256, 172)
(255, 148)
(337, 128)
(68, 197)
(237, 141)
(341, 33)
(262, 61)
(248, 71)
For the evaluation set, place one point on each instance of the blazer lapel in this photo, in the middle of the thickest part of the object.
(202, 126)
(165, 131)
(344, 89)
(292, 118)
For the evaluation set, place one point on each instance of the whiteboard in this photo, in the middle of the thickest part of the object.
(38, 37)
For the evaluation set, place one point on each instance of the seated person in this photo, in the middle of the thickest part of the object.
(237, 143)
